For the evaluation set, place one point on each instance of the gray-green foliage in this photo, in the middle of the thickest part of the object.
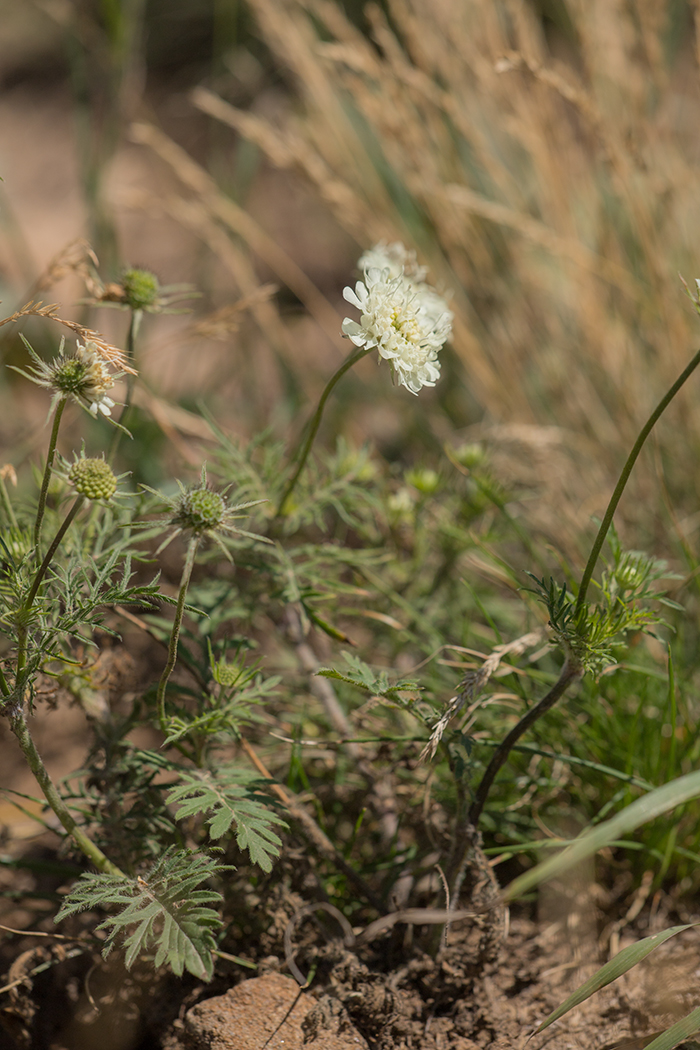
(596, 635)
(161, 911)
(230, 799)
(360, 547)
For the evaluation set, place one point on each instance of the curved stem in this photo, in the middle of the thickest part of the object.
(569, 672)
(624, 477)
(94, 854)
(50, 456)
(302, 454)
(41, 571)
(175, 632)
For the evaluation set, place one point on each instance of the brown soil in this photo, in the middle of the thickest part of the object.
(355, 1000)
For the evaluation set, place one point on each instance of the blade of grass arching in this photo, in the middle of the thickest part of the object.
(679, 1031)
(571, 760)
(609, 805)
(622, 962)
(653, 805)
(544, 844)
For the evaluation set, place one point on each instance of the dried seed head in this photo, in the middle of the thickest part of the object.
(93, 478)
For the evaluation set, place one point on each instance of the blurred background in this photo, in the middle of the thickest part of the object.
(540, 157)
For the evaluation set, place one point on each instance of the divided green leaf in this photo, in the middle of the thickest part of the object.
(162, 911)
(232, 799)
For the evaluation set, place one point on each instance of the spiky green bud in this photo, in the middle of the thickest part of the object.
(93, 478)
(200, 510)
(141, 289)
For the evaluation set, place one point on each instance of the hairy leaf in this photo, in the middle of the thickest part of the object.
(162, 911)
(231, 802)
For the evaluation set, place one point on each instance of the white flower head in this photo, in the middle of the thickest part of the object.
(96, 379)
(398, 260)
(81, 376)
(408, 322)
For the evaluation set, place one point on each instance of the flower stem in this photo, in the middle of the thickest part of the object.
(175, 632)
(130, 353)
(94, 854)
(569, 672)
(23, 616)
(41, 571)
(302, 453)
(50, 455)
(623, 479)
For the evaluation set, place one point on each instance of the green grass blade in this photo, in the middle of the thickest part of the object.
(639, 812)
(622, 962)
(677, 1032)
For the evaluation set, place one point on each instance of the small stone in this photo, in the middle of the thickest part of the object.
(267, 1011)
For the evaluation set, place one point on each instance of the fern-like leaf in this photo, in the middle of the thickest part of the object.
(162, 910)
(231, 798)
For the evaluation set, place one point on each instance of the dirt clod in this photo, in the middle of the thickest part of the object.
(269, 1011)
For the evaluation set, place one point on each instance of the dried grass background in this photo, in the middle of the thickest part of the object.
(549, 177)
(553, 184)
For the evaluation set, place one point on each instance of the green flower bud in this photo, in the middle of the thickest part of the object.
(470, 455)
(423, 479)
(200, 510)
(141, 289)
(93, 478)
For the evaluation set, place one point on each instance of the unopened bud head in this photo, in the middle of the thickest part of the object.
(200, 510)
(93, 478)
(141, 289)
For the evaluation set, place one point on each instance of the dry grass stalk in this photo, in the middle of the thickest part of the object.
(473, 683)
(76, 257)
(111, 353)
(193, 216)
(559, 197)
(221, 323)
(224, 210)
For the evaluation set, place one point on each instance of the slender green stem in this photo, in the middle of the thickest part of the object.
(175, 632)
(6, 503)
(94, 854)
(50, 455)
(23, 617)
(302, 454)
(569, 672)
(624, 477)
(41, 571)
(130, 353)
